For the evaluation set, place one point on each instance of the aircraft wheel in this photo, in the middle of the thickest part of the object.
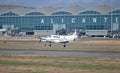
(45, 44)
(64, 45)
(50, 45)
(40, 41)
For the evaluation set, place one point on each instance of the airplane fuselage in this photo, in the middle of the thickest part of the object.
(59, 38)
(64, 39)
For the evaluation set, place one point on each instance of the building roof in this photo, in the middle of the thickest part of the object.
(114, 10)
(21, 10)
(45, 10)
(4, 8)
(73, 10)
(102, 9)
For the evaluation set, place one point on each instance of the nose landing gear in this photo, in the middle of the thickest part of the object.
(64, 45)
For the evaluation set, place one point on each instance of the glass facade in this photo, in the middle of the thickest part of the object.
(88, 20)
(62, 13)
(90, 12)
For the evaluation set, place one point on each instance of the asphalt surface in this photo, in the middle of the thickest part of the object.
(58, 53)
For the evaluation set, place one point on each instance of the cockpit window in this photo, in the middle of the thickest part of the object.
(56, 37)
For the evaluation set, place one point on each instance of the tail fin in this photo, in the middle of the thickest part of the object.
(75, 33)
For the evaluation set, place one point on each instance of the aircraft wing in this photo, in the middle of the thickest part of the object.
(64, 42)
(48, 41)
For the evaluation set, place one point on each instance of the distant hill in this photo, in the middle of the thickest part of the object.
(10, 7)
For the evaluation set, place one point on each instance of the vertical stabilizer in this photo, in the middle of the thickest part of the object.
(75, 33)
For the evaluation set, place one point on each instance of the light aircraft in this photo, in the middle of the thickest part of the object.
(63, 39)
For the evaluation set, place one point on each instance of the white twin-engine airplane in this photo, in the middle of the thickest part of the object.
(63, 39)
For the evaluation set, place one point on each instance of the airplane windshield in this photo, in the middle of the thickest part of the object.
(49, 36)
(56, 37)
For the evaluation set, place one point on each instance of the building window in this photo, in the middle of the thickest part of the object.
(90, 12)
(34, 13)
(62, 13)
(115, 12)
(9, 14)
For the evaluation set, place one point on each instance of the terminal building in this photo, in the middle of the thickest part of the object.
(95, 21)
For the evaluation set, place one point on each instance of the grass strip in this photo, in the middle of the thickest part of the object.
(61, 65)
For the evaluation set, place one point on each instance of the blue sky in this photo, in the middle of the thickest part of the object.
(60, 3)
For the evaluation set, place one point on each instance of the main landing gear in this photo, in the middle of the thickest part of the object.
(64, 45)
(49, 45)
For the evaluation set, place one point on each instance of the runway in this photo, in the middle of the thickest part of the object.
(58, 53)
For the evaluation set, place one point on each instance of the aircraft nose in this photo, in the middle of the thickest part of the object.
(43, 40)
